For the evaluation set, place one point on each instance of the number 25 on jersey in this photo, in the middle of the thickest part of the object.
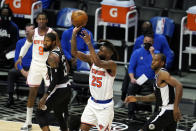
(96, 81)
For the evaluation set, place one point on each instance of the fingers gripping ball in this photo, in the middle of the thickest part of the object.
(79, 18)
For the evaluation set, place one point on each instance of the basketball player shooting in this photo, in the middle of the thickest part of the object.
(99, 110)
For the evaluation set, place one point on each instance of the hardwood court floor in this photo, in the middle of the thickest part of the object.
(15, 126)
(17, 114)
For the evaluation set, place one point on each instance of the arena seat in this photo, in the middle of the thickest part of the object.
(140, 3)
(163, 25)
(164, 4)
(52, 16)
(81, 85)
(188, 3)
(176, 15)
(146, 13)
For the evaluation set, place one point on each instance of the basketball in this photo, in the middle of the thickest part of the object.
(79, 18)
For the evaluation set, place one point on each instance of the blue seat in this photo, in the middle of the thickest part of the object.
(84, 66)
(64, 17)
(163, 25)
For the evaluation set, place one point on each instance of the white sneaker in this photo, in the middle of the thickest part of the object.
(26, 128)
(119, 104)
(194, 127)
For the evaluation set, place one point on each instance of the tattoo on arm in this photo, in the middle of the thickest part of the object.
(53, 60)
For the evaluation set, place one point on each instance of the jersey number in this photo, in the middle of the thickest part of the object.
(41, 50)
(96, 81)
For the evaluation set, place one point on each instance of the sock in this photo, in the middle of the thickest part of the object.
(29, 116)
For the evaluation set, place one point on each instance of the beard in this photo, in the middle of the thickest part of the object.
(101, 57)
(154, 68)
(48, 48)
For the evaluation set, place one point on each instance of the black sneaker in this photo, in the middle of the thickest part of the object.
(26, 128)
(132, 118)
(9, 103)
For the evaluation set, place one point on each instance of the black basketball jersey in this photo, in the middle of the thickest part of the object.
(164, 95)
(57, 75)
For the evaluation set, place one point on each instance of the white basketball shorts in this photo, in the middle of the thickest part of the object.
(99, 115)
(36, 74)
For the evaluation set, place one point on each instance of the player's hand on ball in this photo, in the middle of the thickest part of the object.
(76, 30)
(86, 37)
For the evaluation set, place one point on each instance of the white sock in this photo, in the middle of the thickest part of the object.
(29, 116)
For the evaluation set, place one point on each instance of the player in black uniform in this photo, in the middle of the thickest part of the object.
(58, 94)
(166, 98)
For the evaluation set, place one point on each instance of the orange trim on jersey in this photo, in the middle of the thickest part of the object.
(87, 124)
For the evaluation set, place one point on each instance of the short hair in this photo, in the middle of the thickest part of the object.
(147, 27)
(6, 6)
(29, 24)
(42, 13)
(163, 58)
(111, 47)
(151, 35)
(51, 35)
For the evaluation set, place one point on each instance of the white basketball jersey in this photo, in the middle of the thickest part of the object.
(101, 83)
(39, 56)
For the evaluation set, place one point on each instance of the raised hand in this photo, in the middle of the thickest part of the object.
(76, 30)
(86, 37)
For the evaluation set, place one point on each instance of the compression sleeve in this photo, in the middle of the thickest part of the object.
(25, 48)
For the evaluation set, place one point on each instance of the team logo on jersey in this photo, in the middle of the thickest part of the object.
(102, 73)
(151, 126)
(38, 41)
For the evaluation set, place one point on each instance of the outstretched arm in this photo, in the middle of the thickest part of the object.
(25, 48)
(147, 98)
(78, 54)
(96, 60)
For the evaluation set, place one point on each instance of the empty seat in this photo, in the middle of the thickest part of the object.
(64, 17)
(176, 15)
(163, 3)
(81, 85)
(92, 6)
(163, 25)
(52, 16)
(68, 4)
(188, 3)
(140, 3)
(146, 13)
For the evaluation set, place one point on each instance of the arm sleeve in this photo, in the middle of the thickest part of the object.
(17, 51)
(168, 53)
(25, 48)
(65, 44)
(132, 62)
